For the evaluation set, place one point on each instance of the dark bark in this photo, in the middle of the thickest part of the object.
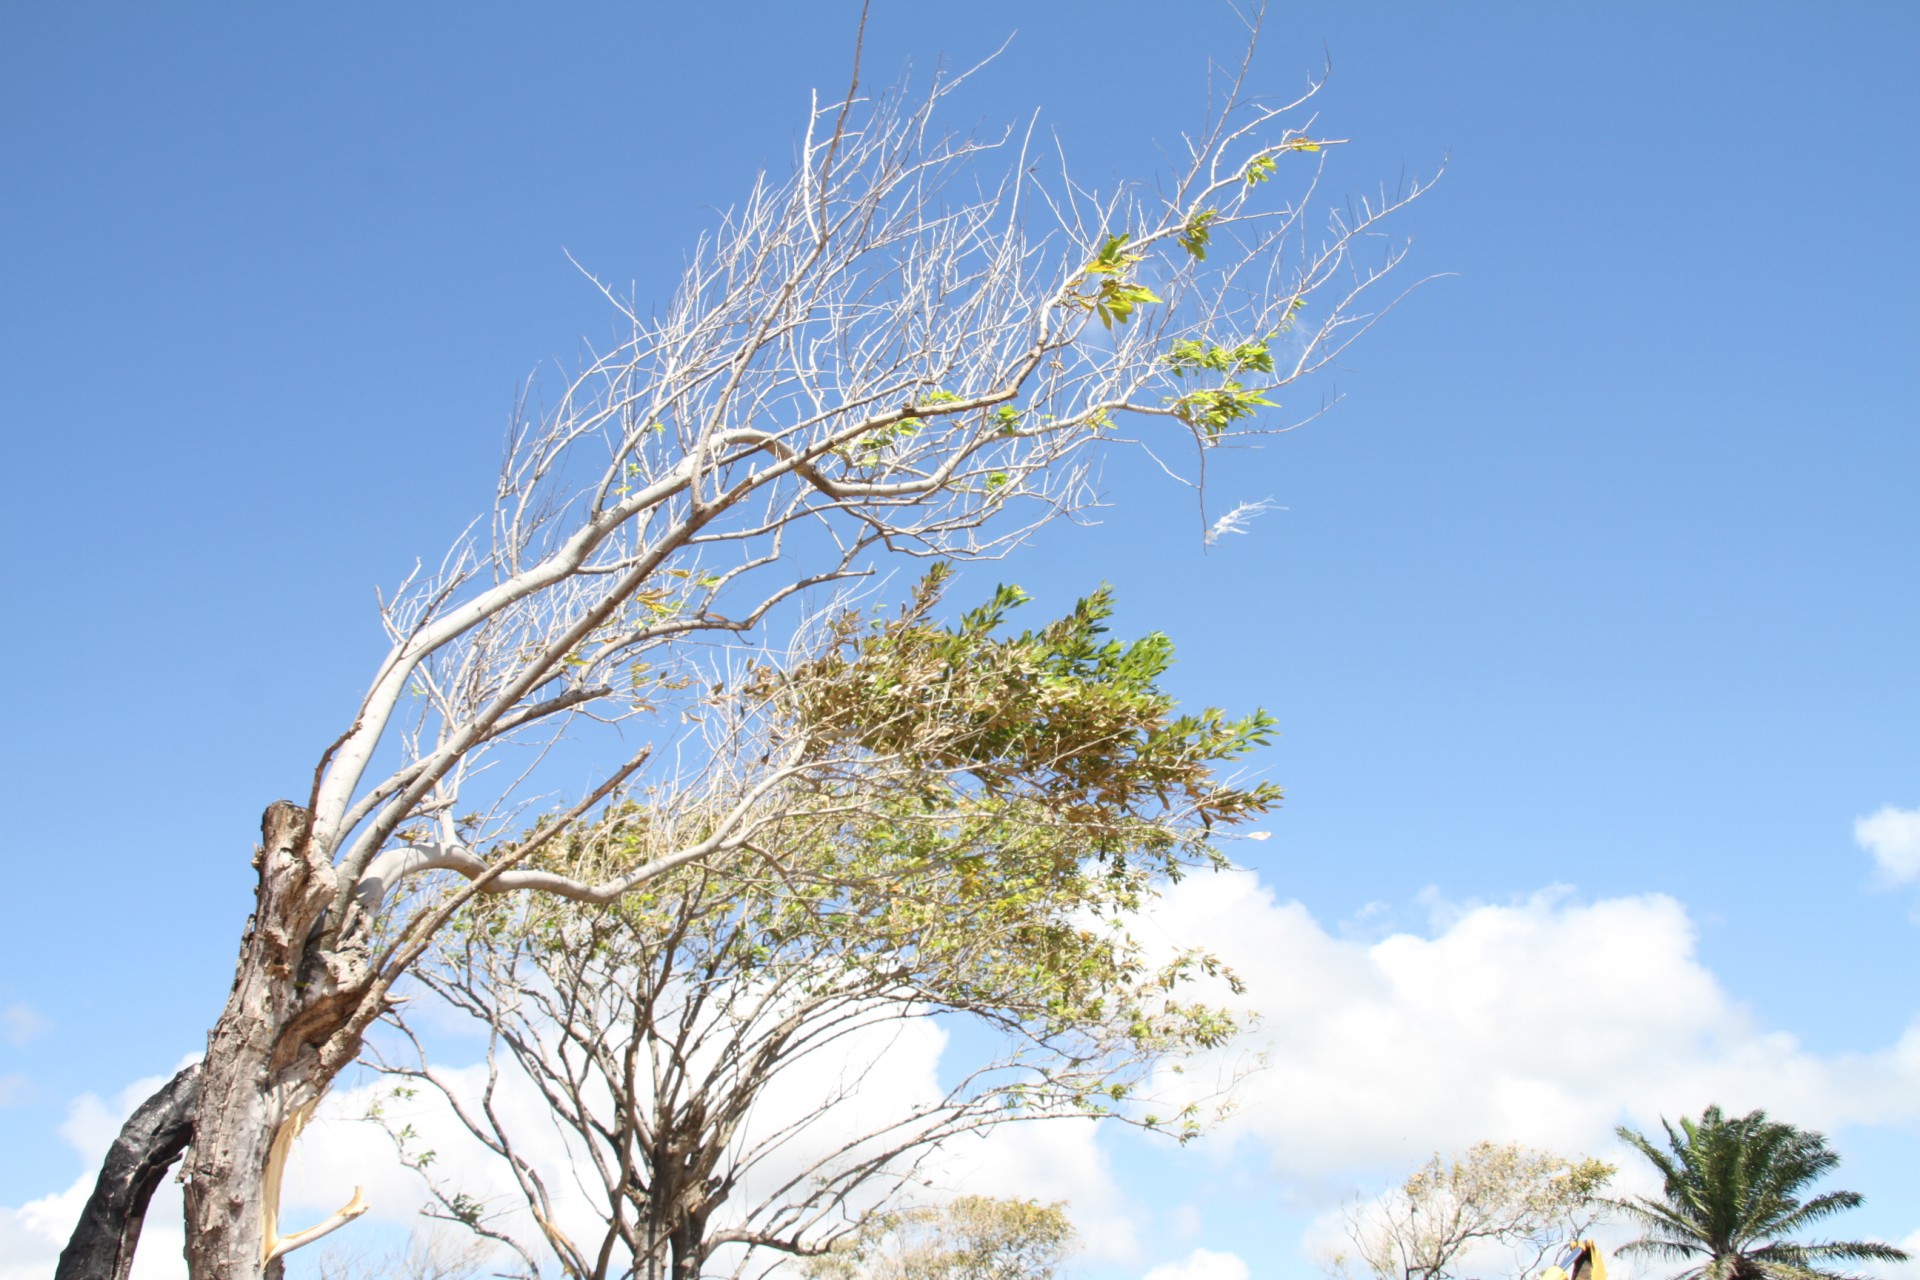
(282, 1037)
(102, 1244)
(689, 1244)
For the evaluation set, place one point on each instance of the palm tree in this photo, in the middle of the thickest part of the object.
(1732, 1201)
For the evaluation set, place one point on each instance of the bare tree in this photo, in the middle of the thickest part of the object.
(1002, 806)
(911, 345)
(1494, 1200)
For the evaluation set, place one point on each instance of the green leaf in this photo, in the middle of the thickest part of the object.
(1113, 258)
(1116, 302)
(1194, 238)
(1211, 411)
(1190, 355)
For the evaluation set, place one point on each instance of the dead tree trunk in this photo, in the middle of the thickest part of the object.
(290, 1024)
(286, 1030)
(689, 1244)
(103, 1242)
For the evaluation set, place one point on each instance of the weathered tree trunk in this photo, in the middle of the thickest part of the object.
(103, 1242)
(689, 1245)
(284, 1034)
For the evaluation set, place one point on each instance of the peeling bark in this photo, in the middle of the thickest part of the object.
(103, 1242)
(283, 1035)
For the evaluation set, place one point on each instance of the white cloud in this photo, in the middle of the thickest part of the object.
(32, 1235)
(92, 1122)
(1186, 1222)
(1202, 1264)
(340, 1149)
(1547, 1021)
(878, 1074)
(1908, 1270)
(1892, 836)
(20, 1023)
(1050, 1161)
(890, 1069)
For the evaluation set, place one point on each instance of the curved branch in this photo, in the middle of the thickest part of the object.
(103, 1241)
(395, 865)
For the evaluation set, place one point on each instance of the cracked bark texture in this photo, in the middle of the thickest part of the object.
(283, 1035)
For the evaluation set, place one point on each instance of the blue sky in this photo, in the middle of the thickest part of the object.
(1603, 575)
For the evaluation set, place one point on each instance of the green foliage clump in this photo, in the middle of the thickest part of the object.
(984, 811)
(1212, 410)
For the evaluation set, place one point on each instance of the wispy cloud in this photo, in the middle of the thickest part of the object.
(1237, 520)
(19, 1023)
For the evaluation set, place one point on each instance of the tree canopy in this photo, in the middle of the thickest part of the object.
(988, 811)
(915, 342)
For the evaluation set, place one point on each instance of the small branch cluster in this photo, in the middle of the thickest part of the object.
(856, 363)
(1494, 1202)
